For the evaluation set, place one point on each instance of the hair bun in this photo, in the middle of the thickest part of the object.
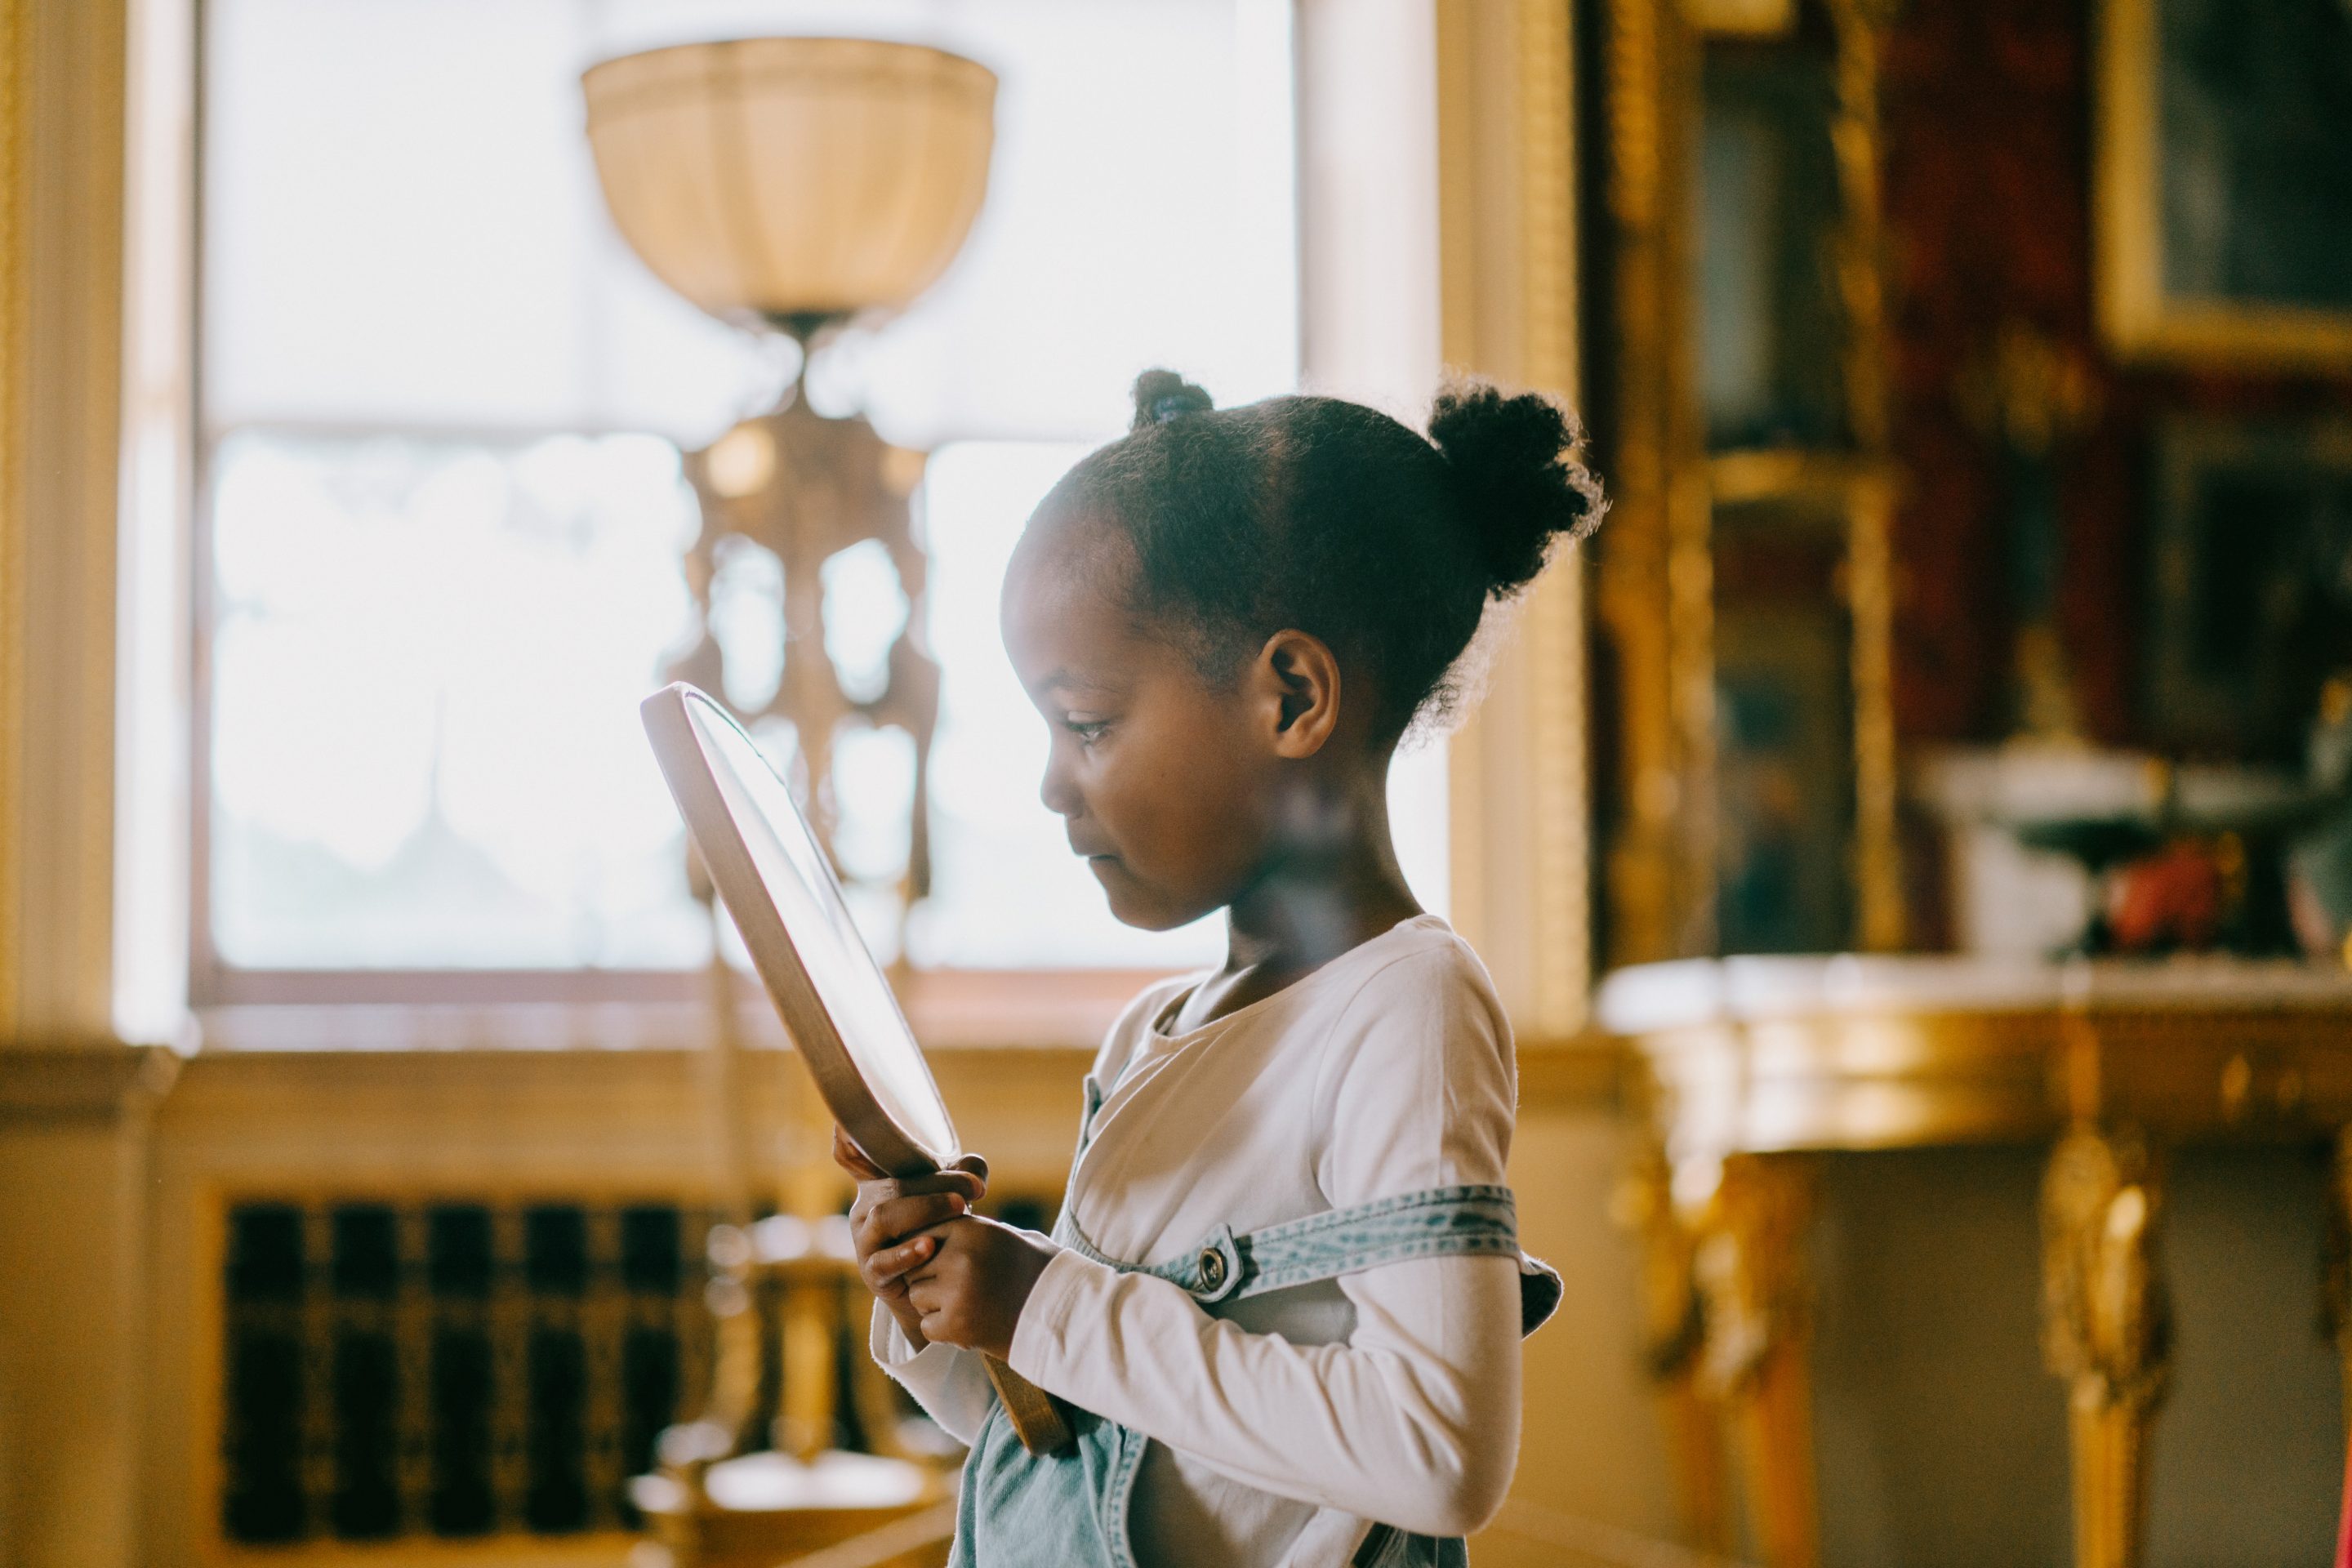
(1162, 395)
(1515, 460)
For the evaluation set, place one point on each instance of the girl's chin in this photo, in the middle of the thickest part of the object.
(1135, 903)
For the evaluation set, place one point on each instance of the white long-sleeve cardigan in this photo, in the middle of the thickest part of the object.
(1284, 1427)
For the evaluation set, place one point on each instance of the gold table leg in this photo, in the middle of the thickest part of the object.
(2105, 1329)
(2335, 1274)
(1671, 1337)
(1758, 1307)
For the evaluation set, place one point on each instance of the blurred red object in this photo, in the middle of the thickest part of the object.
(2344, 1524)
(2174, 898)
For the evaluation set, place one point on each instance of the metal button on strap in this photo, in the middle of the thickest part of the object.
(1212, 1268)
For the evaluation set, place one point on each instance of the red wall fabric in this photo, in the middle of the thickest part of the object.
(1988, 169)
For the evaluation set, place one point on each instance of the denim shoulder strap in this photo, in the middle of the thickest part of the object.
(1468, 1220)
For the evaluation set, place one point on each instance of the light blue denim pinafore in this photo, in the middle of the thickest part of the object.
(1020, 1510)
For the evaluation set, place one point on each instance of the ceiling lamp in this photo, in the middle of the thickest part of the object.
(796, 180)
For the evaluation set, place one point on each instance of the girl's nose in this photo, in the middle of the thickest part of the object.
(1057, 789)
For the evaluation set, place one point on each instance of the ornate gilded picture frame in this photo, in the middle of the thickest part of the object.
(2223, 190)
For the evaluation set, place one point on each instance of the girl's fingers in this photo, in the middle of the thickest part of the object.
(892, 1222)
(884, 1267)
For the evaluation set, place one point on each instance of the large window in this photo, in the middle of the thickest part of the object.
(442, 411)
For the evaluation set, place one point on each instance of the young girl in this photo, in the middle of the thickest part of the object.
(1284, 1299)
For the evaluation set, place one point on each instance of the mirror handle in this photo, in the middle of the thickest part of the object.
(1036, 1417)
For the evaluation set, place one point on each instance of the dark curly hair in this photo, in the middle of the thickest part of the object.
(1331, 518)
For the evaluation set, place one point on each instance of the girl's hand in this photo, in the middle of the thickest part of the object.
(892, 1223)
(979, 1278)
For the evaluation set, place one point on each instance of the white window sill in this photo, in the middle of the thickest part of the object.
(949, 1010)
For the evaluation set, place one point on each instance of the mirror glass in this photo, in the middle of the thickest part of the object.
(847, 980)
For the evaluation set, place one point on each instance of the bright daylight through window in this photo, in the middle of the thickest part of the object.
(443, 410)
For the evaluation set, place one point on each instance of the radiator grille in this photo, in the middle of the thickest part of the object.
(453, 1369)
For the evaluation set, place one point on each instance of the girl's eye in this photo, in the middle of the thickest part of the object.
(1087, 731)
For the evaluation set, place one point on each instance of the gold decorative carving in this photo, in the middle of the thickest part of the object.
(1655, 596)
(2105, 1328)
(1857, 251)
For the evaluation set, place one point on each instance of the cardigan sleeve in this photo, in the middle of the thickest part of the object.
(1415, 1420)
(950, 1385)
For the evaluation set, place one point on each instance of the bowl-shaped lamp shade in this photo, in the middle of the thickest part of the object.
(794, 179)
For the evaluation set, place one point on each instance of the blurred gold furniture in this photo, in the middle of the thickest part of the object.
(1752, 1063)
(788, 1300)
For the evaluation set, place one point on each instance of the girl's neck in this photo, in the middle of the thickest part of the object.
(1333, 885)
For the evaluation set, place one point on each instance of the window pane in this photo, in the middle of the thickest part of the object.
(426, 660)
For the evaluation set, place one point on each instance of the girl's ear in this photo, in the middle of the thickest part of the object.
(1296, 682)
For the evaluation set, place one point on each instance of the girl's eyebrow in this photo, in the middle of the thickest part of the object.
(1067, 680)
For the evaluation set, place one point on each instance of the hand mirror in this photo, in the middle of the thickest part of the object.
(776, 883)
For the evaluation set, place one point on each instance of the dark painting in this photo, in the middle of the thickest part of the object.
(2256, 152)
(2253, 584)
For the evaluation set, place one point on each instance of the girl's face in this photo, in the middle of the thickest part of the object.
(1163, 783)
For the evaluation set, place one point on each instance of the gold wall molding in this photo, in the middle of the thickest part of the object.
(13, 199)
(60, 359)
(48, 1088)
